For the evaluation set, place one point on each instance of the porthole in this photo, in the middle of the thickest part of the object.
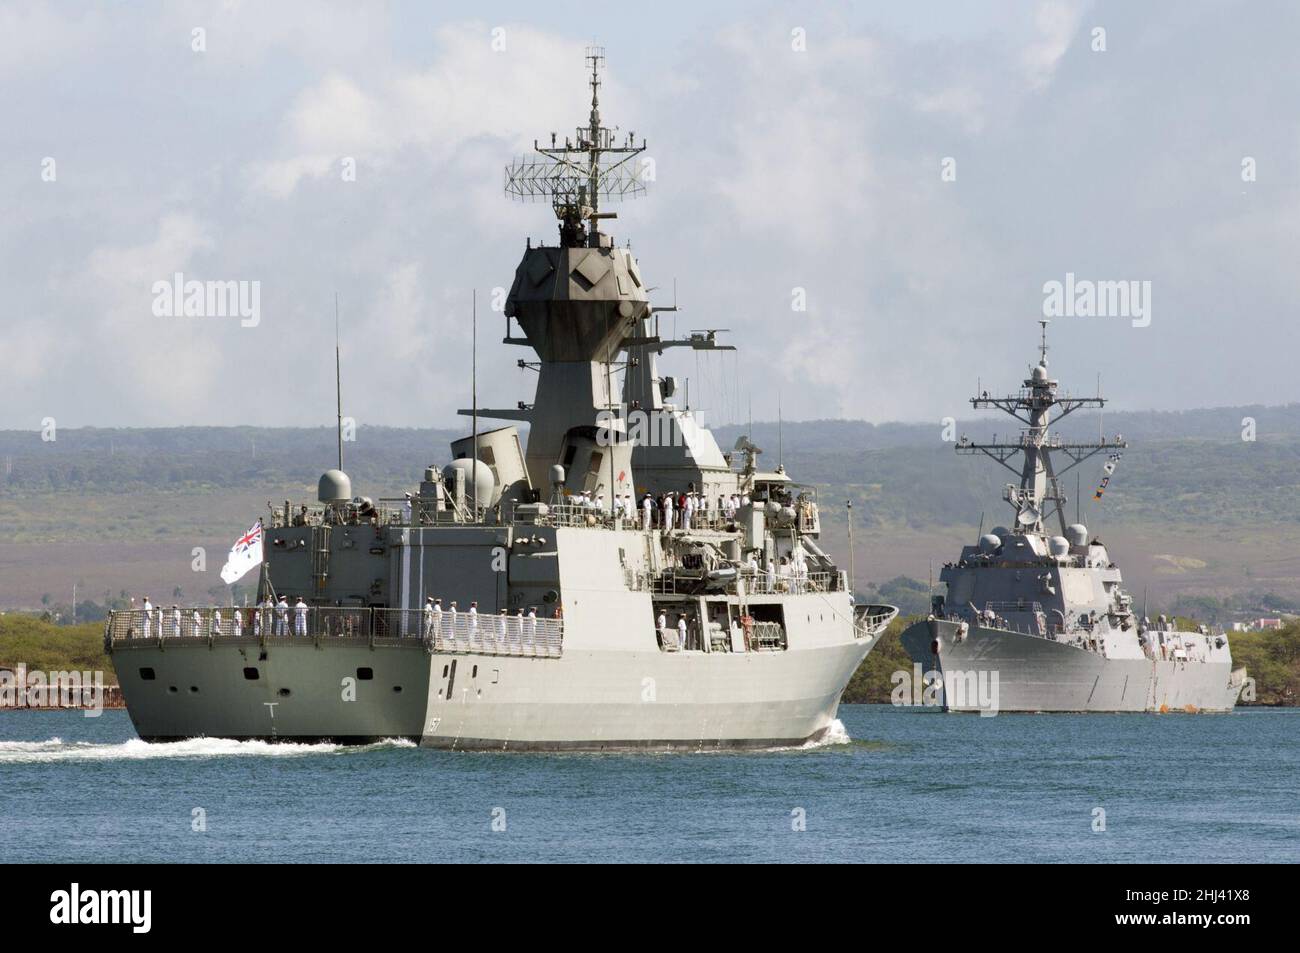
(194, 689)
(397, 689)
(251, 674)
(147, 675)
(171, 689)
(285, 693)
(365, 674)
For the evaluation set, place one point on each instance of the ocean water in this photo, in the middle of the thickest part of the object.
(893, 785)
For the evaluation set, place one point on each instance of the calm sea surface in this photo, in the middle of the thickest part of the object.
(898, 785)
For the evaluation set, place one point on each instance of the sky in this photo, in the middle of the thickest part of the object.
(915, 173)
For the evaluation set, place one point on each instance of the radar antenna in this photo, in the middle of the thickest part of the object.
(1039, 481)
(576, 174)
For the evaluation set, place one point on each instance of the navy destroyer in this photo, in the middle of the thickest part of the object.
(621, 583)
(1038, 621)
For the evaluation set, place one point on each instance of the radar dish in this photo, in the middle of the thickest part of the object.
(1028, 516)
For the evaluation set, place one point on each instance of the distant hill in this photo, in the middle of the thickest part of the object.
(1191, 466)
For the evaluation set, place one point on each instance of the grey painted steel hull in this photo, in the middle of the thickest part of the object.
(1039, 675)
(585, 700)
(202, 691)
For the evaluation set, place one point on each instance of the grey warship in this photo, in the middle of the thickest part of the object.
(621, 583)
(1039, 622)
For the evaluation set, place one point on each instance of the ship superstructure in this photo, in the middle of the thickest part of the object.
(616, 582)
(1036, 619)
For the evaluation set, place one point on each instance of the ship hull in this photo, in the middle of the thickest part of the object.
(584, 700)
(1035, 674)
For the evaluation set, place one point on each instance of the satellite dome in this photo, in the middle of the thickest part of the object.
(481, 489)
(1001, 532)
(1040, 374)
(1077, 534)
(557, 475)
(1060, 546)
(989, 543)
(334, 487)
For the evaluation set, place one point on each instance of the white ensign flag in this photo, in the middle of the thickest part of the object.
(244, 555)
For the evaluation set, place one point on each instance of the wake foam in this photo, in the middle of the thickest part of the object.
(56, 749)
(836, 734)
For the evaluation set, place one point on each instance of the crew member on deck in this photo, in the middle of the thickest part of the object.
(300, 617)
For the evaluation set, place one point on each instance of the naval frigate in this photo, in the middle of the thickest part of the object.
(620, 583)
(1039, 622)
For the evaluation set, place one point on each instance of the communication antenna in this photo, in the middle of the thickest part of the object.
(780, 433)
(338, 381)
(853, 575)
(473, 388)
(574, 175)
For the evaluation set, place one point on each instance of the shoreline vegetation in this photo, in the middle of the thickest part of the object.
(1271, 658)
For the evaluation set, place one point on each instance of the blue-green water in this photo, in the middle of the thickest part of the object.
(910, 786)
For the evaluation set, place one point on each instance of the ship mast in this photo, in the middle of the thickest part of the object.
(576, 174)
(1039, 483)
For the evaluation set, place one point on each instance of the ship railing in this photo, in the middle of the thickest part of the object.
(761, 583)
(383, 513)
(870, 620)
(522, 635)
(485, 633)
(1013, 605)
(755, 582)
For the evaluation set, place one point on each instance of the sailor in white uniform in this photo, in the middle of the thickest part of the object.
(428, 617)
(282, 617)
(148, 616)
(647, 512)
(300, 617)
(681, 632)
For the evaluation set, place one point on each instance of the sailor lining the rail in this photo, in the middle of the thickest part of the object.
(647, 512)
(681, 632)
(661, 626)
(300, 617)
(176, 620)
(215, 628)
(473, 620)
(148, 608)
(428, 617)
(282, 617)
(502, 621)
(239, 621)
